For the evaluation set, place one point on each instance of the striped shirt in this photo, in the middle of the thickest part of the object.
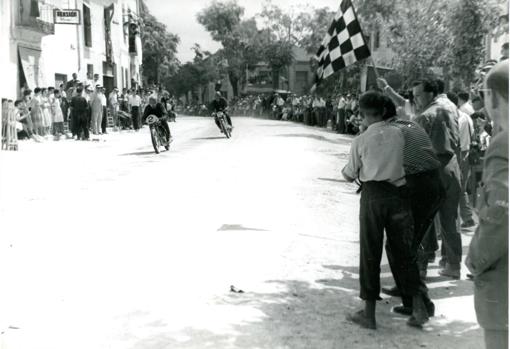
(419, 155)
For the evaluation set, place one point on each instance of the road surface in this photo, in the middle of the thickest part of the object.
(108, 245)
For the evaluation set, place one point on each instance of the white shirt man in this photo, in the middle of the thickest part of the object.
(134, 100)
(341, 102)
(467, 108)
(354, 103)
(466, 131)
(102, 97)
(113, 98)
(319, 103)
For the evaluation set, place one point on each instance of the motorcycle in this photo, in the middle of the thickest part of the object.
(225, 127)
(158, 133)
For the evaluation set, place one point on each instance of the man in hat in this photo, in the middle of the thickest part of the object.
(80, 112)
(487, 258)
(113, 102)
(96, 106)
(72, 83)
(135, 103)
(104, 117)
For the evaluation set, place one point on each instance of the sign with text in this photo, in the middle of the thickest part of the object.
(67, 17)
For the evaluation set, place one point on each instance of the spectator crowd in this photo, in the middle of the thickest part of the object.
(77, 109)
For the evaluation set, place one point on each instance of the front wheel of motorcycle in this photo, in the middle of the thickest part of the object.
(224, 128)
(154, 139)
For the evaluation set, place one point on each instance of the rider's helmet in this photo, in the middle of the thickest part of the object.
(153, 101)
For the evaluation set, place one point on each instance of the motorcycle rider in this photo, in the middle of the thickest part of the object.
(169, 103)
(155, 108)
(220, 104)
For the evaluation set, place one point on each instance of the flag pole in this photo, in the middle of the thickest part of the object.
(371, 60)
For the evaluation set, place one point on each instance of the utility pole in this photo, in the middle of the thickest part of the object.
(78, 27)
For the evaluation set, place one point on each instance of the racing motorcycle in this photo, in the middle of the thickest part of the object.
(225, 127)
(158, 133)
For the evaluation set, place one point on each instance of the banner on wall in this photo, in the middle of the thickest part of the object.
(31, 64)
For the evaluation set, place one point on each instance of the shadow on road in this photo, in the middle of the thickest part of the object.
(280, 125)
(209, 138)
(141, 153)
(240, 227)
(299, 315)
(318, 138)
(336, 180)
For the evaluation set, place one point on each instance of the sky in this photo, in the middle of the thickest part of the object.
(180, 18)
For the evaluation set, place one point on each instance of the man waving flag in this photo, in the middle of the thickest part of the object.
(343, 45)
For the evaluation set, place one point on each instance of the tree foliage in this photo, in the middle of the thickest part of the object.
(448, 34)
(315, 24)
(223, 21)
(159, 48)
(468, 46)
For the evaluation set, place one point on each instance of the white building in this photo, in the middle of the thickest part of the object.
(43, 53)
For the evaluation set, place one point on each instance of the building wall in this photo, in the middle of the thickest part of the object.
(64, 52)
(7, 67)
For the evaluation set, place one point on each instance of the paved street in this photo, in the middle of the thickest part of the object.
(108, 245)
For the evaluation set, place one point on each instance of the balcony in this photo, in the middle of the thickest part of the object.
(39, 21)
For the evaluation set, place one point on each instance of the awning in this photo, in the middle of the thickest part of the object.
(30, 61)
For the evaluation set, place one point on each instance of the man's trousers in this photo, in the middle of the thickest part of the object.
(386, 207)
(426, 195)
(448, 213)
(466, 211)
(135, 117)
(104, 120)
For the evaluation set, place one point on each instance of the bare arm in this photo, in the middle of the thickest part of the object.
(394, 96)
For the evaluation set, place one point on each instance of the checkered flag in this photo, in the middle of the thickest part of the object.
(343, 45)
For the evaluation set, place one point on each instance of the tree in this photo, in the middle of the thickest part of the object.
(159, 48)
(282, 31)
(468, 46)
(222, 20)
(278, 54)
(432, 33)
(314, 27)
(205, 69)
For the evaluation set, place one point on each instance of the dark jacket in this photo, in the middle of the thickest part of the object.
(219, 105)
(488, 252)
(158, 110)
(79, 106)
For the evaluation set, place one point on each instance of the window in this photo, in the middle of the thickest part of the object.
(133, 32)
(34, 8)
(60, 79)
(90, 71)
(125, 29)
(87, 26)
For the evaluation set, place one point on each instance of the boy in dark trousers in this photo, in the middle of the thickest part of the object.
(376, 160)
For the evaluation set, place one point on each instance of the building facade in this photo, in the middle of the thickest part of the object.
(298, 77)
(103, 40)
